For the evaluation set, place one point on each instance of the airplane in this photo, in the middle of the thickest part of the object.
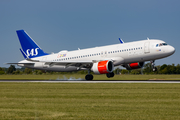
(100, 60)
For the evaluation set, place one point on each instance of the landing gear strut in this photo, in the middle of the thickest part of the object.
(153, 66)
(109, 75)
(89, 76)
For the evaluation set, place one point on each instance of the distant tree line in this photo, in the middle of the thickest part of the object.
(147, 69)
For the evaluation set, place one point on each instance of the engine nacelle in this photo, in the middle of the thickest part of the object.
(103, 67)
(134, 65)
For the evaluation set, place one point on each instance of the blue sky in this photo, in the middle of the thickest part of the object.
(71, 24)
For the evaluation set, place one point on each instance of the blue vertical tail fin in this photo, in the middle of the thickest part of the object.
(30, 49)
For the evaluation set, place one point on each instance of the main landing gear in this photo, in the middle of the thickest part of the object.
(109, 75)
(153, 66)
(89, 76)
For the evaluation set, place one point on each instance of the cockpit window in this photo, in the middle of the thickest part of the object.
(164, 44)
(161, 44)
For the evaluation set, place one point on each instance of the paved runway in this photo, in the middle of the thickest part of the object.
(95, 81)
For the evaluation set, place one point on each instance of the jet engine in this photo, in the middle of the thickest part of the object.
(103, 67)
(134, 65)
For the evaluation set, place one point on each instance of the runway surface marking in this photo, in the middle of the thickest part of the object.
(94, 81)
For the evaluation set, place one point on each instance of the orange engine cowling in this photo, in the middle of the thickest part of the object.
(134, 65)
(103, 67)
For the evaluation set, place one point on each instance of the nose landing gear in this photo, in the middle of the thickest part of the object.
(153, 66)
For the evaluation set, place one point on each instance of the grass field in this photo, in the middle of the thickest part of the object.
(133, 101)
(96, 77)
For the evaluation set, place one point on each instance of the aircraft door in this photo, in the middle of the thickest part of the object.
(146, 47)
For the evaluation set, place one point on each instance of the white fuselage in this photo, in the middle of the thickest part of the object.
(120, 54)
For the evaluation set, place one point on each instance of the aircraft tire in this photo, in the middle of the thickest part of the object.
(89, 77)
(112, 74)
(154, 69)
(109, 75)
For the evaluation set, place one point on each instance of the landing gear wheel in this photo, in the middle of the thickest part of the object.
(112, 74)
(154, 69)
(89, 77)
(153, 66)
(109, 75)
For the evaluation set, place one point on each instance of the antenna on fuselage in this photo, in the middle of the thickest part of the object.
(147, 38)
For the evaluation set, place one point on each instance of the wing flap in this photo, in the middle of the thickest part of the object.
(69, 63)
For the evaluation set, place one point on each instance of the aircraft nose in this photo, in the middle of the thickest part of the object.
(171, 50)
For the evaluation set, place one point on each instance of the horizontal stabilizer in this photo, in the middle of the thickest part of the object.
(20, 63)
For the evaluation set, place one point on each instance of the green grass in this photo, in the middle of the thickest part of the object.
(133, 101)
(96, 77)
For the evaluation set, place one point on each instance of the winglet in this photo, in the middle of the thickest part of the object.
(121, 41)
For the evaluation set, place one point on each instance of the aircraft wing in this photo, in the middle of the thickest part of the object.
(81, 64)
(51, 63)
(85, 64)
